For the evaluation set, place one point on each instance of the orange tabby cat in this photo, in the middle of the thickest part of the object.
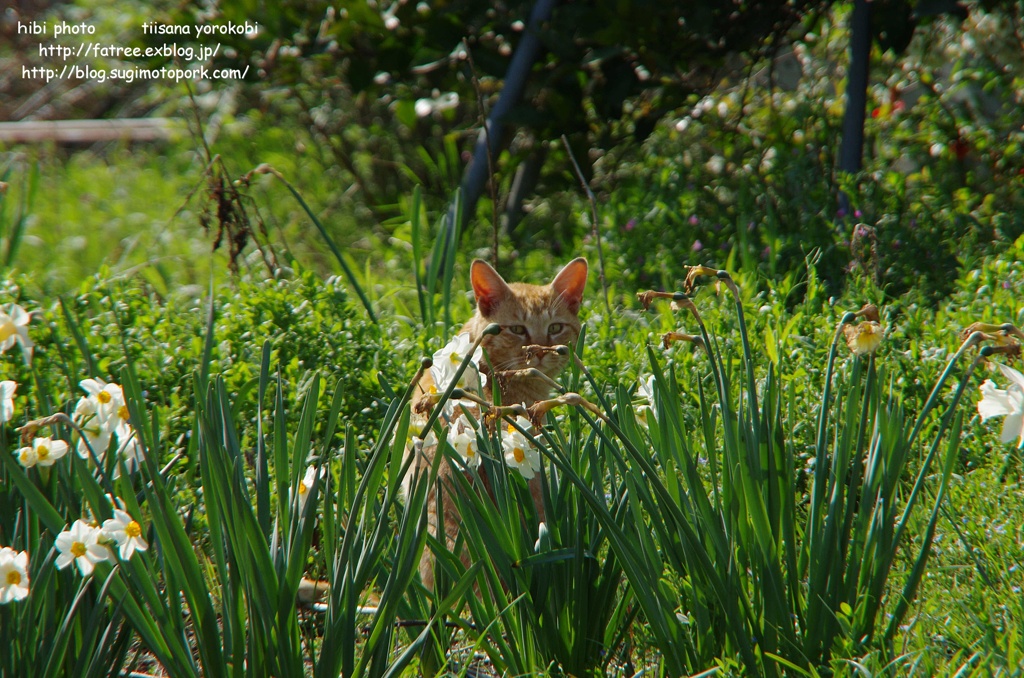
(541, 315)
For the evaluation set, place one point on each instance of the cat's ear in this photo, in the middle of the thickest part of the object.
(570, 282)
(488, 286)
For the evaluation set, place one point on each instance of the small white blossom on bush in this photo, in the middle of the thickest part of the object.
(42, 452)
(7, 389)
(13, 575)
(1009, 403)
(81, 545)
(462, 437)
(14, 329)
(519, 453)
(126, 532)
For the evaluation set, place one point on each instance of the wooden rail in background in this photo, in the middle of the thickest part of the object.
(86, 131)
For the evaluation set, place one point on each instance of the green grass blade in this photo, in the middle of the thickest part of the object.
(333, 247)
(76, 333)
(262, 478)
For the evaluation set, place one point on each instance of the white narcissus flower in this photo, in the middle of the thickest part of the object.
(80, 545)
(520, 454)
(462, 437)
(416, 424)
(128, 448)
(7, 389)
(109, 399)
(864, 338)
(647, 410)
(126, 532)
(14, 328)
(93, 433)
(13, 575)
(416, 444)
(429, 441)
(1009, 403)
(305, 485)
(45, 451)
(446, 363)
(27, 456)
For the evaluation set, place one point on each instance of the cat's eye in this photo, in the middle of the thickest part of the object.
(517, 329)
(555, 328)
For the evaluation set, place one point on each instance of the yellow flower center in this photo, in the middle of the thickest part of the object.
(103, 397)
(470, 452)
(77, 549)
(455, 358)
(43, 452)
(302, 487)
(7, 328)
(133, 529)
(519, 455)
(123, 412)
(13, 578)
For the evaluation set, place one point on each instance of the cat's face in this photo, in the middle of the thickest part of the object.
(529, 315)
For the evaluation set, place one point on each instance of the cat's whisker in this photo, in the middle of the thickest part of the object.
(558, 305)
(530, 373)
(514, 363)
(530, 356)
(538, 351)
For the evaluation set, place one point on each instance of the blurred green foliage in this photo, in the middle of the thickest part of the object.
(747, 176)
(388, 92)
